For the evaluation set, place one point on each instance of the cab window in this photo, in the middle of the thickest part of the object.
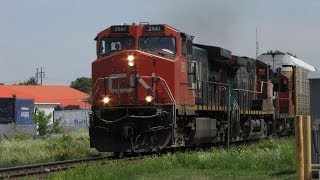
(159, 45)
(112, 44)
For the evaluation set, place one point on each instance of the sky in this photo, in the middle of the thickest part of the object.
(59, 35)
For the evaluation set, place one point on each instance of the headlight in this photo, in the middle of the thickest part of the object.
(106, 100)
(149, 98)
(130, 63)
(130, 59)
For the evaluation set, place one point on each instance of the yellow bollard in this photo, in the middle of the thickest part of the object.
(307, 147)
(299, 146)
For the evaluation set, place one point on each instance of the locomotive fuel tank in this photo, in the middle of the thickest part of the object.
(205, 130)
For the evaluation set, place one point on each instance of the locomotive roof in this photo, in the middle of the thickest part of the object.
(215, 51)
(284, 59)
(140, 24)
(314, 75)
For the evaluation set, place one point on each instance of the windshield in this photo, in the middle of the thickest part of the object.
(112, 44)
(160, 45)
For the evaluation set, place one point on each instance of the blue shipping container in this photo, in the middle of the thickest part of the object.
(24, 110)
(18, 111)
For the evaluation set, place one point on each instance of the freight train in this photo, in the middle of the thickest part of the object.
(154, 88)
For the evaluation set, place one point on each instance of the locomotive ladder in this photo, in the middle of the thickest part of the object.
(233, 113)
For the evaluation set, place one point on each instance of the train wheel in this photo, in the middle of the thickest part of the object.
(153, 141)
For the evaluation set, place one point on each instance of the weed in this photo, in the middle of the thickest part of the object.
(266, 160)
(23, 151)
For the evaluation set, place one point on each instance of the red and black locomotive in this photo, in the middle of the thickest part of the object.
(153, 88)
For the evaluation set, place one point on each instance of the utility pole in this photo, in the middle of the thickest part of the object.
(257, 43)
(40, 75)
(37, 76)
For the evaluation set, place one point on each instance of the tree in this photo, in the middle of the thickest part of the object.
(82, 84)
(56, 127)
(30, 81)
(44, 128)
(42, 120)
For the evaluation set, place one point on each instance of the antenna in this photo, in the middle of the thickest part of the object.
(257, 43)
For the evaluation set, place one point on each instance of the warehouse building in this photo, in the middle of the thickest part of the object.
(65, 104)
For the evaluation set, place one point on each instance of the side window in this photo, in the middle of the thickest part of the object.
(183, 45)
(189, 46)
(186, 45)
(284, 85)
(192, 74)
(97, 46)
(103, 48)
(262, 72)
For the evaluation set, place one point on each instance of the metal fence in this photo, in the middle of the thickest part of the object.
(8, 130)
(71, 120)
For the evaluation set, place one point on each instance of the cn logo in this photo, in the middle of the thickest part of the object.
(124, 76)
(118, 89)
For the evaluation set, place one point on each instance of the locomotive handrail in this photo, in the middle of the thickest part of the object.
(168, 89)
(244, 90)
(92, 98)
(257, 92)
(144, 117)
(163, 81)
(211, 82)
(165, 85)
(127, 116)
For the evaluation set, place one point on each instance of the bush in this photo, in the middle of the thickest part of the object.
(56, 128)
(21, 135)
(42, 120)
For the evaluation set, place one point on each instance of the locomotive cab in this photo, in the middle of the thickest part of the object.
(284, 101)
(141, 51)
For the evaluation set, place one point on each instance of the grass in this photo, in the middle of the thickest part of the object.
(22, 150)
(269, 159)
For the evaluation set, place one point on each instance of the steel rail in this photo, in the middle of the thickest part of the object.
(44, 168)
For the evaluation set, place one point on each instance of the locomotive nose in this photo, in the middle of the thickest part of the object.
(130, 77)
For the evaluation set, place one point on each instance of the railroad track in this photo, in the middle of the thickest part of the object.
(44, 168)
